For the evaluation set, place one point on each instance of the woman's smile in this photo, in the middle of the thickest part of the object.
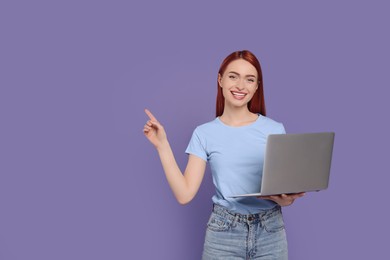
(238, 95)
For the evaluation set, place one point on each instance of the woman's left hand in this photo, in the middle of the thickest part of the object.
(283, 199)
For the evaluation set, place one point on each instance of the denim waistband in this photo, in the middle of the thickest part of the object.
(224, 212)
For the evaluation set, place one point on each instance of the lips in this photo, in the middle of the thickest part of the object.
(238, 95)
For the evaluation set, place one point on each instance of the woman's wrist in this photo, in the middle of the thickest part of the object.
(163, 146)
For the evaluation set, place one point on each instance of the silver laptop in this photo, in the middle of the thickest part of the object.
(295, 163)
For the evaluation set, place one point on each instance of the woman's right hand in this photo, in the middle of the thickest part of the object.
(154, 131)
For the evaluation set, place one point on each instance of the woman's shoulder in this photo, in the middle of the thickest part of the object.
(271, 124)
(269, 120)
(210, 125)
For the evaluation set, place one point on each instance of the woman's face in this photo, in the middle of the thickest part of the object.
(239, 83)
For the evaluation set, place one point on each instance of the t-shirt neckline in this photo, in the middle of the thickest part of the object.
(239, 127)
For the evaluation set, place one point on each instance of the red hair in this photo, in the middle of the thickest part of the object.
(257, 104)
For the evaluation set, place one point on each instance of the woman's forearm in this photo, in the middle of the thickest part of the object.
(175, 177)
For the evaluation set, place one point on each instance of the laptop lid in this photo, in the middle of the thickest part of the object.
(296, 163)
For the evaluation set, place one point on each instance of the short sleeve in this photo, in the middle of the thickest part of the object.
(282, 129)
(197, 146)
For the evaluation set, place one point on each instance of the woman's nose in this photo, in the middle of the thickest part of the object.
(240, 84)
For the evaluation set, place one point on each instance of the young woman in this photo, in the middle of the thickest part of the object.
(233, 143)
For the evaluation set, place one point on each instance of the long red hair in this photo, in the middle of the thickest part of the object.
(257, 104)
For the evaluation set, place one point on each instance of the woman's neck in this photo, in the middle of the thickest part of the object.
(238, 117)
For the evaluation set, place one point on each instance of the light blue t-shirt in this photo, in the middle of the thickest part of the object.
(236, 156)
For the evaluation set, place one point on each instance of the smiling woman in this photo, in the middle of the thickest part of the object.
(233, 143)
(238, 86)
(256, 104)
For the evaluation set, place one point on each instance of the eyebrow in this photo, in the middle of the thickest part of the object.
(239, 74)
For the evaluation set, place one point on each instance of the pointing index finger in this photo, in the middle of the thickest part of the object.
(150, 115)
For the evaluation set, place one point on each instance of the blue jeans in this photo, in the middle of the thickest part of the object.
(236, 236)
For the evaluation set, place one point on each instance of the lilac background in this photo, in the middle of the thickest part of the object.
(79, 181)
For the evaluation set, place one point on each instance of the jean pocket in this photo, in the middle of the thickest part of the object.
(218, 223)
(274, 222)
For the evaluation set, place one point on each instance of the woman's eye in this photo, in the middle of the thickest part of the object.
(251, 80)
(232, 77)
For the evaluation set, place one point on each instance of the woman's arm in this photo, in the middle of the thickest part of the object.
(184, 187)
(283, 199)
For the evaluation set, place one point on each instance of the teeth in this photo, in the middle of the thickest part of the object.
(238, 94)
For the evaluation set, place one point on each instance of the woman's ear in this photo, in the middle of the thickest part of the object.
(219, 80)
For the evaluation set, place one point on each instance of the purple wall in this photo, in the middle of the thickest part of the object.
(78, 180)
